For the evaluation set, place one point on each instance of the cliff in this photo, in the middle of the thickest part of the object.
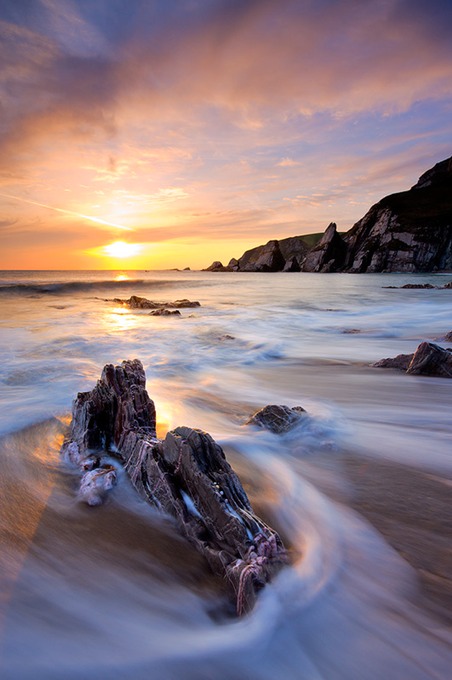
(410, 231)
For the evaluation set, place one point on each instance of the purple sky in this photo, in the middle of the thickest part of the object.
(193, 130)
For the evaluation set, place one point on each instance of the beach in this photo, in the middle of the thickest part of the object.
(359, 491)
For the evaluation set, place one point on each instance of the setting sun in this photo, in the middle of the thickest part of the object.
(122, 249)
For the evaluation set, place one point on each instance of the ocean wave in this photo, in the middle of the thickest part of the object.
(68, 287)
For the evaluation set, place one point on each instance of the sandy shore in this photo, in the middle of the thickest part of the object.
(413, 510)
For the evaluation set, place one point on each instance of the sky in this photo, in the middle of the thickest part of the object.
(151, 134)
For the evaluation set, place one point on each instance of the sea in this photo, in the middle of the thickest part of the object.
(114, 592)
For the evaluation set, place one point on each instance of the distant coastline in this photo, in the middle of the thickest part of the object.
(405, 232)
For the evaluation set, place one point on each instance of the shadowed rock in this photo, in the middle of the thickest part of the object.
(428, 359)
(277, 419)
(400, 362)
(186, 475)
(329, 254)
(267, 258)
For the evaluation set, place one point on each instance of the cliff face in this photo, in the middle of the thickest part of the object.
(410, 231)
(407, 232)
(329, 254)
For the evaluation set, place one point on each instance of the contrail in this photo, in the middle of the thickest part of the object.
(97, 220)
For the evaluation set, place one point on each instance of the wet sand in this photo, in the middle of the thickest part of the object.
(412, 509)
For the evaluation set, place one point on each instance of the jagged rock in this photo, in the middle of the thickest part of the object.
(428, 359)
(186, 476)
(233, 264)
(165, 312)
(410, 231)
(329, 254)
(267, 258)
(292, 265)
(277, 419)
(217, 266)
(135, 302)
(186, 269)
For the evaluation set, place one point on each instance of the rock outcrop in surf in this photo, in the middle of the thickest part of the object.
(186, 476)
(428, 359)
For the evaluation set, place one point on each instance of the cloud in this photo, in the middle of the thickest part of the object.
(287, 163)
(160, 112)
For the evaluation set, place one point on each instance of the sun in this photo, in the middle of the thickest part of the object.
(122, 249)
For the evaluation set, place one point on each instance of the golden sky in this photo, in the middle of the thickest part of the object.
(191, 130)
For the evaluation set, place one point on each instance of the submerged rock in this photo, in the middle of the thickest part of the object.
(165, 312)
(277, 419)
(98, 476)
(136, 302)
(96, 484)
(428, 359)
(186, 475)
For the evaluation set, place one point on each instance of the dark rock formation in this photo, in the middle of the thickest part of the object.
(217, 266)
(267, 258)
(400, 362)
(428, 359)
(277, 419)
(186, 476)
(329, 254)
(293, 249)
(422, 286)
(165, 312)
(418, 285)
(135, 302)
(410, 231)
(292, 265)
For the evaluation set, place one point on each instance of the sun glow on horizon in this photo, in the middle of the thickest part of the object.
(121, 249)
